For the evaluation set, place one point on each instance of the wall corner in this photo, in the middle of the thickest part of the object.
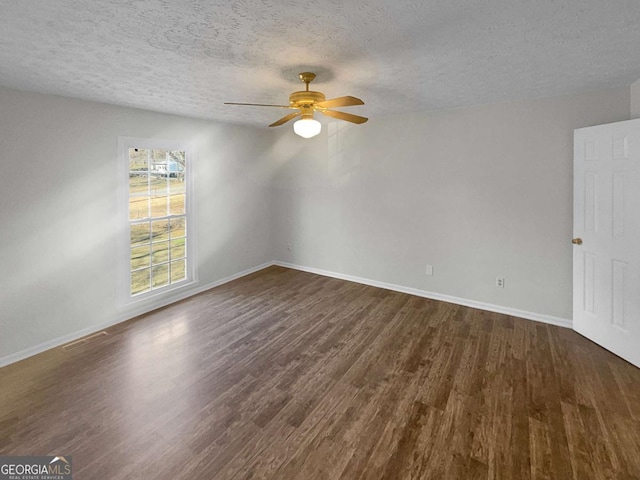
(635, 99)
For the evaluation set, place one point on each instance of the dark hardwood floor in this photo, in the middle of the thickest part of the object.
(289, 375)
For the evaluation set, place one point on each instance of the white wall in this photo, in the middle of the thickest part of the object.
(635, 99)
(476, 192)
(58, 206)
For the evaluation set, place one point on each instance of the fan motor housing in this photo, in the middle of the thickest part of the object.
(305, 98)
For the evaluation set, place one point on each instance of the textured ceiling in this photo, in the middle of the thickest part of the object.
(188, 57)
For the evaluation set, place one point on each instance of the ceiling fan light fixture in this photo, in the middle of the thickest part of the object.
(306, 102)
(307, 127)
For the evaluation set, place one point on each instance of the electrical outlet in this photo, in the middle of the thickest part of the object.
(500, 282)
(429, 270)
(288, 247)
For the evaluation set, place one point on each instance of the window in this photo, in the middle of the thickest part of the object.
(159, 245)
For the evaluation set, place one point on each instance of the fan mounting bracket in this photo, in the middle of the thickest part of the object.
(307, 77)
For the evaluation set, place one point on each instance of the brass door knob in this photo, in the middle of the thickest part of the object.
(577, 241)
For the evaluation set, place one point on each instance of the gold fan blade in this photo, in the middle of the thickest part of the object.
(285, 119)
(344, 116)
(258, 105)
(340, 102)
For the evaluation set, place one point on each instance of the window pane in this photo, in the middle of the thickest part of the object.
(178, 271)
(158, 155)
(176, 204)
(178, 156)
(160, 275)
(138, 159)
(140, 281)
(138, 208)
(176, 184)
(140, 233)
(158, 206)
(160, 252)
(178, 227)
(160, 230)
(176, 164)
(140, 257)
(178, 249)
(177, 192)
(139, 182)
(158, 184)
(159, 193)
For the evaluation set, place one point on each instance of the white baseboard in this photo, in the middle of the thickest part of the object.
(164, 301)
(538, 317)
(123, 317)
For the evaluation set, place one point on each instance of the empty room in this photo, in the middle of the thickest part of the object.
(319, 240)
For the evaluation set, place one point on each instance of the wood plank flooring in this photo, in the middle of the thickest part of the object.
(289, 375)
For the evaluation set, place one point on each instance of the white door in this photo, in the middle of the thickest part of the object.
(606, 217)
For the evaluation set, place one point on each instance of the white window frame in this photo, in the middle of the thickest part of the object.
(124, 239)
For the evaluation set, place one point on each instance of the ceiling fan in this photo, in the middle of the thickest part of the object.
(306, 102)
